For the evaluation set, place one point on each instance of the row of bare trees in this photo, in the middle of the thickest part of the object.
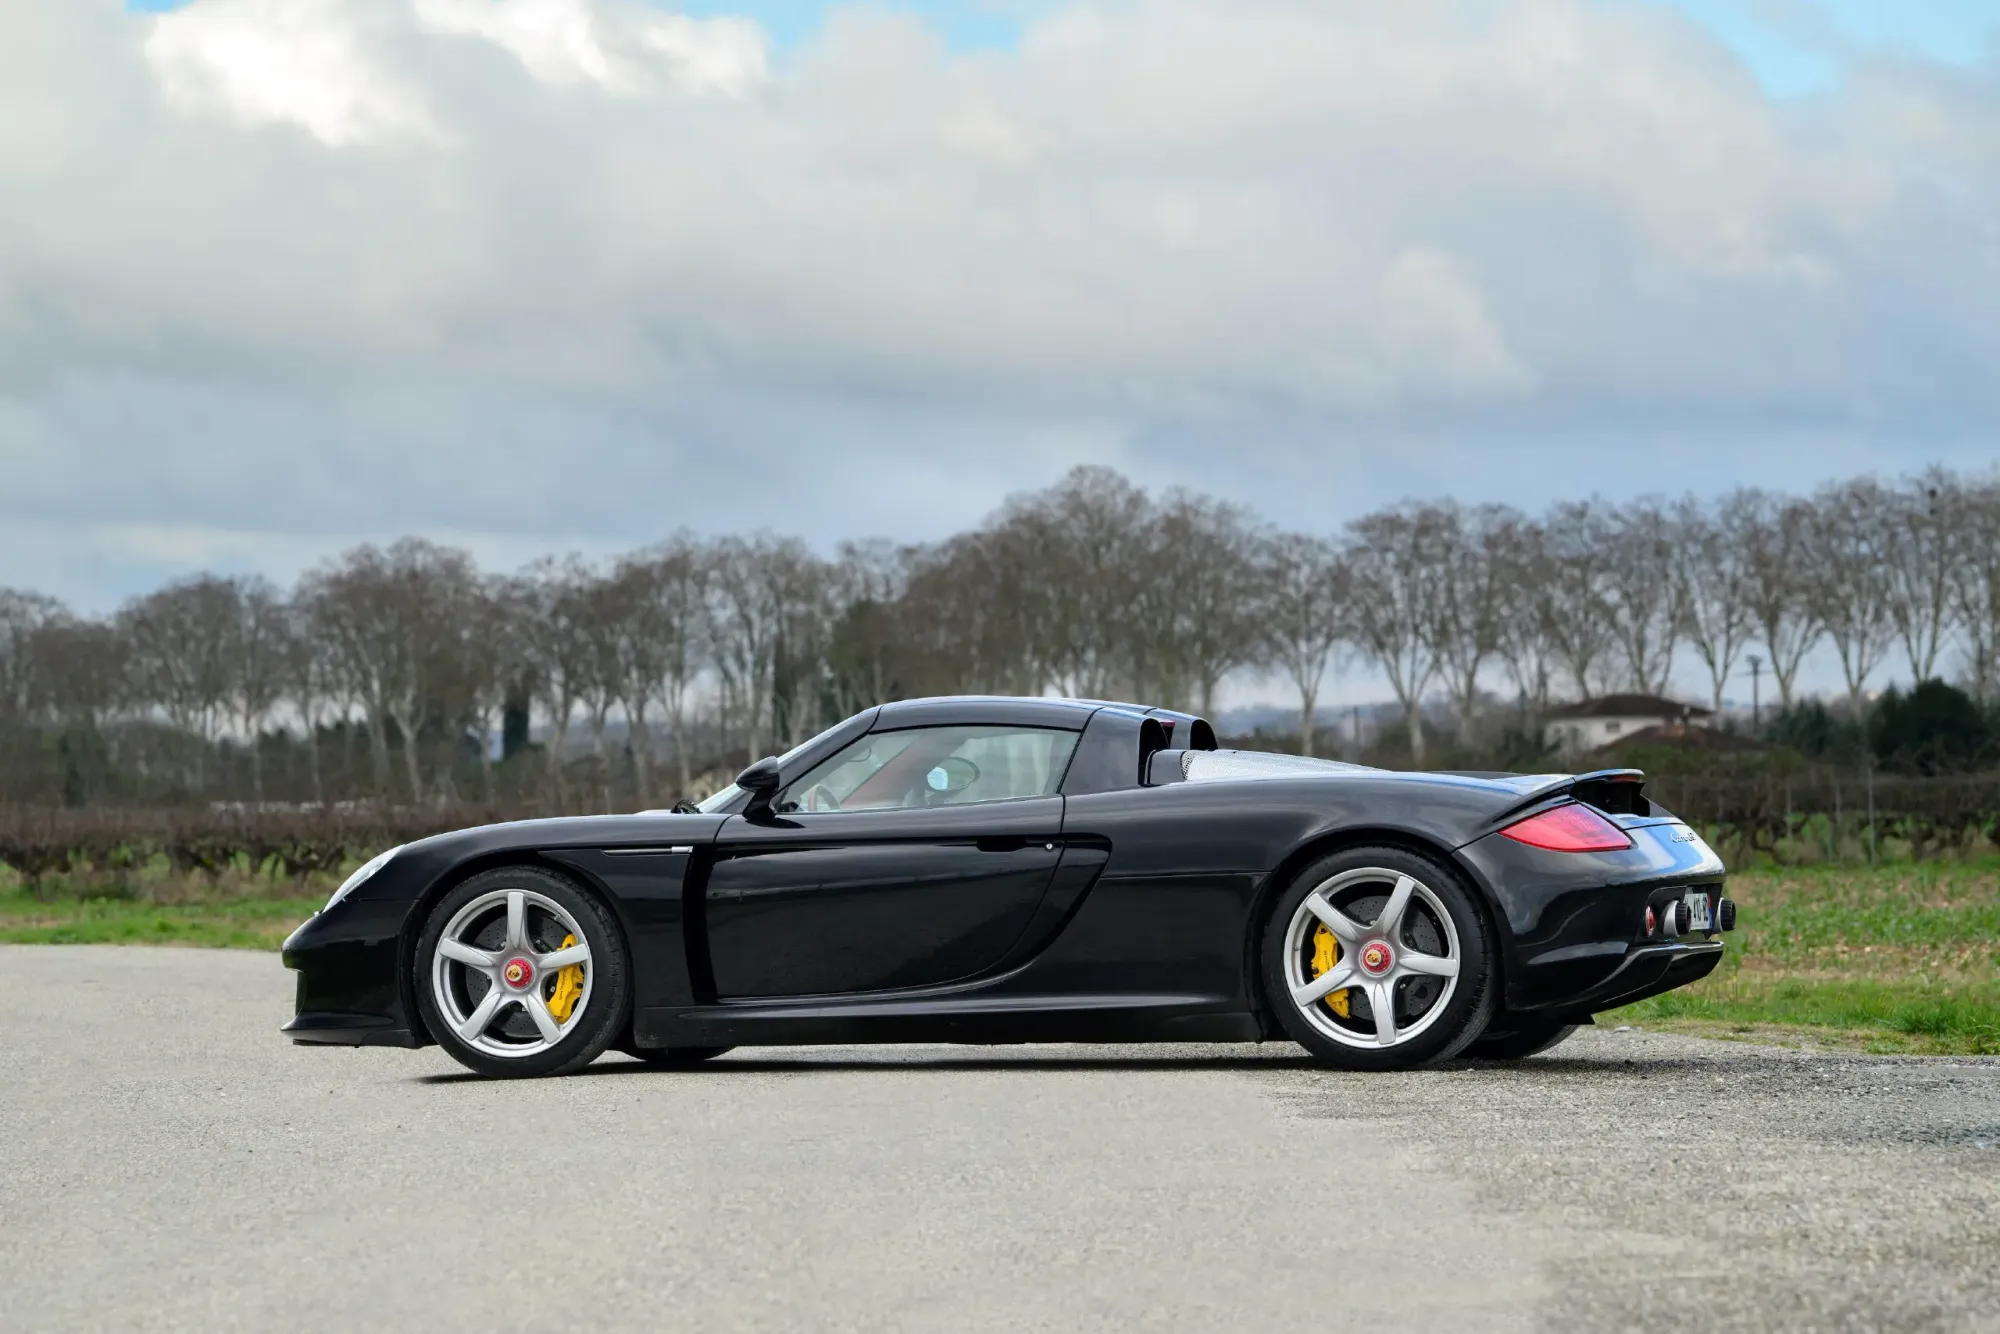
(693, 653)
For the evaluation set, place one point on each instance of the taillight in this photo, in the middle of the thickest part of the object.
(1570, 828)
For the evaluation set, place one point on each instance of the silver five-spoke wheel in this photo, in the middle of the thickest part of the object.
(512, 973)
(1372, 958)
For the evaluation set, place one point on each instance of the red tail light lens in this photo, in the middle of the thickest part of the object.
(1571, 828)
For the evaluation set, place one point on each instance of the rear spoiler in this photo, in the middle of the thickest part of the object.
(1613, 791)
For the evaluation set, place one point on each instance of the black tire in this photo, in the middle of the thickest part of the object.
(1463, 1008)
(1524, 1041)
(672, 1058)
(605, 1008)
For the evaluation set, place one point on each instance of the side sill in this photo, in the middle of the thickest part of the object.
(996, 1022)
(348, 1030)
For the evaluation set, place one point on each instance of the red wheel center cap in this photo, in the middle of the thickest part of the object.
(518, 973)
(1377, 958)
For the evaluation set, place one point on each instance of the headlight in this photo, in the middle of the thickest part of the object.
(353, 882)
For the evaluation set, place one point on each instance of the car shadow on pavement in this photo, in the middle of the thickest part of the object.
(753, 1065)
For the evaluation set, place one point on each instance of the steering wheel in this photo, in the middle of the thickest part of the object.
(819, 797)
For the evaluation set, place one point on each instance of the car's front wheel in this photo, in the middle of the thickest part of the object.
(520, 973)
(1379, 958)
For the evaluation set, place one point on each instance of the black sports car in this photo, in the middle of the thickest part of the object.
(1026, 870)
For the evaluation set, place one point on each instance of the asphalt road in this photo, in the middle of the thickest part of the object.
(167, 1161)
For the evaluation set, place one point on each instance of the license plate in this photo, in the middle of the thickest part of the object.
(1698, 912)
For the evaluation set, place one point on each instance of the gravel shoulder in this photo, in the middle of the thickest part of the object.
(168, 1161)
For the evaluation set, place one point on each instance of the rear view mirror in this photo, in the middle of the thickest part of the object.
(952, 774)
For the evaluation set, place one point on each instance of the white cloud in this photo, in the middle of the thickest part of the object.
(1434, 318)
(277, 61)
(559, 270)
(621, 48)
(719, 55)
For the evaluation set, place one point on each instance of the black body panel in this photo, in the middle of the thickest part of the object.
(1113, 752)
(1571, 918)
(649, 887)
(830, 903)
(1127, 909)
(354, 958)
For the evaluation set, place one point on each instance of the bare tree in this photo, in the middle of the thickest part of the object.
(657, 596)
(1849, 582)
(805, 590)
(77, 685)
(747, 611)
(1302, 605)
(259, 653)
(1201, 564)
(551, 594)
(179, 642)
(390, 615)
(1580, 626)
(1976, 585)
(309, 686)
(78, 678)
(484, 654)
(1086, 537)
(22, 614)
(669, 640)
(1710, 560)
(974, 615)
(1921, 528)
(1465, 620)
(597, 619)
(1645, 598)
(1525, 608)
(1777, 539)
(1393, 558)
(865, 651)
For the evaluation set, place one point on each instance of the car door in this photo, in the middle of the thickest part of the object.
(876, 874)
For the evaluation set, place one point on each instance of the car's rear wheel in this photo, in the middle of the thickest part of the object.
(1519, 1042)
(1379, 958)
(521, 973)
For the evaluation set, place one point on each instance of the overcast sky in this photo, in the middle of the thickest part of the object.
(281, 275)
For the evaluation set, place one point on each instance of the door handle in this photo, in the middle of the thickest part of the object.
(1010, 843)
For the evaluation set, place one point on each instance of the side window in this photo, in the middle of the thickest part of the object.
(935, 766)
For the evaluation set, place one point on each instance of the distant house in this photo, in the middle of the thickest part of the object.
(1698, 735)
(1608, 719)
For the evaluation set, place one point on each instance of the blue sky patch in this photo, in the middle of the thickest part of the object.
(964, 24)
(1798, 47)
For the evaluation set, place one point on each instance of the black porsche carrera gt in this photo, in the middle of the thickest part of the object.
(1026, 870)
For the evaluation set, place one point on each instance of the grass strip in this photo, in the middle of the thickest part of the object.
(257, 923)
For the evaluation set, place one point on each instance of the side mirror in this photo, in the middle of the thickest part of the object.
(761, 781)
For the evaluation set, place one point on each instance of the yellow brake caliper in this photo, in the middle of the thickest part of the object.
(569, 986)
(1326, 953)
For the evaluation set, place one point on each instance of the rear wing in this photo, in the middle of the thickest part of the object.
(1613, 791)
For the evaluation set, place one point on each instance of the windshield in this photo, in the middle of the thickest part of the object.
(711, 804)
